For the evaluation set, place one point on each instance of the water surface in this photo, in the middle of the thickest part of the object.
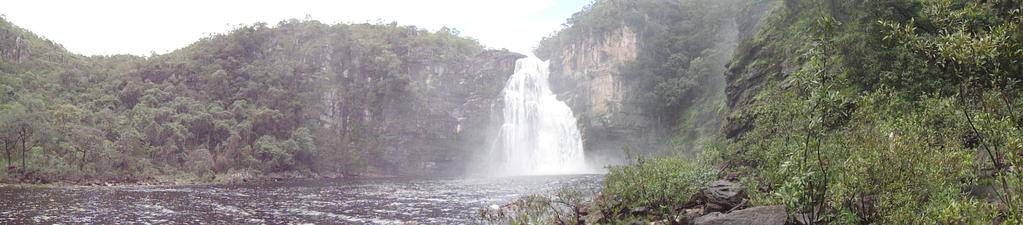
(346, 201)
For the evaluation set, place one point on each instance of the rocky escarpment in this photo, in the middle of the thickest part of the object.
(751, 67)
(441, 121)
(478, 114)
(587, 76)
(460, 103)
(646, 75)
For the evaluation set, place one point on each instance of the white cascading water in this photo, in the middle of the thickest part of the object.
(539, 135)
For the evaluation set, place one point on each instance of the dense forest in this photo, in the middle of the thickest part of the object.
(841, 112)
(888, 112)
(300, 97)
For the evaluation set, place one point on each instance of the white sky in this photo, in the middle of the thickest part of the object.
(103, 27)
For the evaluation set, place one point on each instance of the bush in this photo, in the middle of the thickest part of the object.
(891, 132)
(895, 162)
(3, 170)
(659, 185)
(560, 207)
(274, 154)
(200, 163)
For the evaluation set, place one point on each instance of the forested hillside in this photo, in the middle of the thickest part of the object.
(890, 112)
(300, 97)
(840, 112)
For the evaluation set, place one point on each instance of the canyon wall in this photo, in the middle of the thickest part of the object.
(649, 77)
(588, 76)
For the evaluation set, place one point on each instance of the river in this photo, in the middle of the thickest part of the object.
(342, 201)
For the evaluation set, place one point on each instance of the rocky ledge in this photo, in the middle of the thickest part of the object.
(722, 202)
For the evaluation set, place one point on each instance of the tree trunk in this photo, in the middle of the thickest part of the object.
(8, 146)
(81, 161)
(24, 149)
(25, 134)
(213, 152)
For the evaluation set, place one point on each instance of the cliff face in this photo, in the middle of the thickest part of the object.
(452, 118)
(650, 75)
(587, 71)
(587, 76)
(752, 66)
(440, 120)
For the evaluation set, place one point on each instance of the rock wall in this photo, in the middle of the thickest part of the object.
(618, 108)
(744, 76)
(444, 119)
(587, 76)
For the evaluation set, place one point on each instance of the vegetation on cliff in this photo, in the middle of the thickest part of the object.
(675, 76)
(298, 97)
(896, 112)
(853, 112)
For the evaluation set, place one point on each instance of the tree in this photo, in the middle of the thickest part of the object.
(249, 99)
(274, 154)
(85, 141)
(25, 131)
(19, 128)
(12, 118)
(304, 146)
(7, 136)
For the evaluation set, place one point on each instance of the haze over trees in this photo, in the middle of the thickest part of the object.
(300, 96)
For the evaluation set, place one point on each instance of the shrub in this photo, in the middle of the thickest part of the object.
(659, 185)
(564, 206)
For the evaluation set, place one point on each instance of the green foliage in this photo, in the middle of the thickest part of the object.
(299, 96)
(561, 207)
(660, 184)
(872, 112)
(681, 50)
(916, 127)
(918, 145)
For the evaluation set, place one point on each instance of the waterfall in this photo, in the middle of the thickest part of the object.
(539, 135)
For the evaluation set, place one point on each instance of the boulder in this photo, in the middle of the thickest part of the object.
(689, 215)
(722, 196)
(761, 215)
(636, 222)
(639, 211)
(583, 209)
(660, 222)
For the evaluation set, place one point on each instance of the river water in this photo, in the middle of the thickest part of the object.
(343, 201)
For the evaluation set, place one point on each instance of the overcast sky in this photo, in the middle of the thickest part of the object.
(103, 27)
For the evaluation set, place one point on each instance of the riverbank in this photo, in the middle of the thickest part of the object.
(668, 190)
(338, 201)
